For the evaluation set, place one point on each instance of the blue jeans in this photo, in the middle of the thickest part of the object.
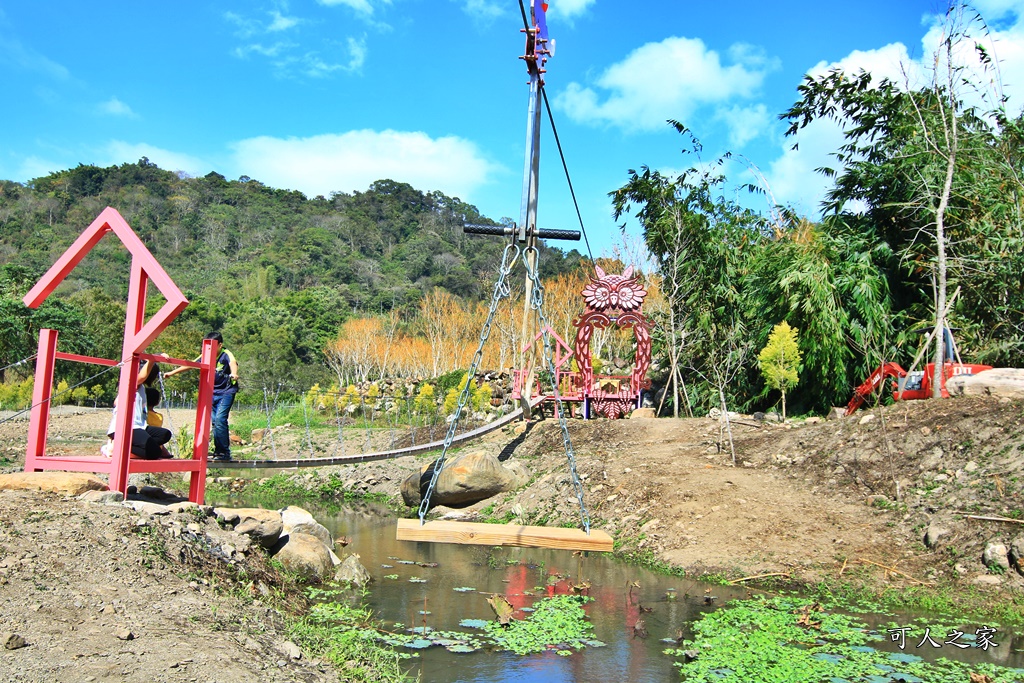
(219, 416)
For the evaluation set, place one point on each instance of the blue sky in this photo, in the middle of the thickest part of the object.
(330, 95)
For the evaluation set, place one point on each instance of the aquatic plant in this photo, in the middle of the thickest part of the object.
(792, 640)
(558, 623)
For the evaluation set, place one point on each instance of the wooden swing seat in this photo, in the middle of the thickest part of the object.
(475, 533)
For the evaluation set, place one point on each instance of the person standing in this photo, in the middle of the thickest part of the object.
(225, 386)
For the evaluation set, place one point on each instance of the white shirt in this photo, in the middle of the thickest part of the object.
(138, 415)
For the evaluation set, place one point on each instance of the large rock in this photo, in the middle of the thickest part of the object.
(353, 572)
(96, 496)
(643, 413)
(70, 483)
(935, 532)
(262, 526)
(996, 556)
(1017, 554)
(296, 520)
(1003, 382)
(305, 555)
(465, 480)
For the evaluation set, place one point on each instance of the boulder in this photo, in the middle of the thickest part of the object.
(12, 641)
(227, 516)
(465, 480)
(102, 496)
(1017, 554)
(69, 483)
(934, 533)
(353, 572)
(262, 526)
(643, 413)
(1002, 382)
(296, 520)
(996, 555)
(304, 555)
(837, 413)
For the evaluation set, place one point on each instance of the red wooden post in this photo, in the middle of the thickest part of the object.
(204, 407)
(123, 425)
(42, 389)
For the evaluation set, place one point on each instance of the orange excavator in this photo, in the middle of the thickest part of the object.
(916, 384)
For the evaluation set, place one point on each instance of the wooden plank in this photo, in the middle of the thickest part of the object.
(473, 533)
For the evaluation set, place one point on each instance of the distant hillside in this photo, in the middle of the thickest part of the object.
(276, 271)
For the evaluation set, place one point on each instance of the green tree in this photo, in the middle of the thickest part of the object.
(780, 360)
(937, 180)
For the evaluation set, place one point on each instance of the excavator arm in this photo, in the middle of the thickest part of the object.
(861, 393)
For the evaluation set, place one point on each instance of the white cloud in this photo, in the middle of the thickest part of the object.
(115, 107)
(667, 80)
(999, 9)
(744, 123)
(120, 152)
(350, 161)
(32, 167)
(16, 55)
(364, 7)
(568, 9)
(792, 176)
(483, 11)
(273, 51)
(885, 62)
(281, 23)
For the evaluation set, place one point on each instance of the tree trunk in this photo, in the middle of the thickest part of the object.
(940, 235)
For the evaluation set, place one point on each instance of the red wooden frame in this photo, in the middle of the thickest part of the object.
(138, 334)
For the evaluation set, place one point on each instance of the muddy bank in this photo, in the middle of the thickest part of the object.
(96, 592)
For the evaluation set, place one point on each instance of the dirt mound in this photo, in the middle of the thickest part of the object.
(808, 498)
(103, 593)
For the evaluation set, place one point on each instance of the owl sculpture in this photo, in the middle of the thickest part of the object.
(623, 292)
(613, 300)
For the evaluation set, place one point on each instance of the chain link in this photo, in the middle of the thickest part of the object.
(537, 304)
(502, 289)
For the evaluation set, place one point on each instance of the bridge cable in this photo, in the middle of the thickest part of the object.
(565, 167)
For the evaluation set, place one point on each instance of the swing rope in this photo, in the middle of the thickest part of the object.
(502, 289)
(537, 304)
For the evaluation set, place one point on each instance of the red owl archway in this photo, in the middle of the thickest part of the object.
(613, 300)
(610, 300)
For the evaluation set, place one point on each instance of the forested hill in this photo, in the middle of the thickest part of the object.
(276, 271)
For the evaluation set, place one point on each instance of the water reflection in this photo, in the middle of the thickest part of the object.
(524, 575)
(425, 585)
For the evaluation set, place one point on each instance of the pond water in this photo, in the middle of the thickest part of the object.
(430, 586)
(524, 575)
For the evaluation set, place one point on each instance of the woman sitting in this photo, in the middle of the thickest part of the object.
(147, 440)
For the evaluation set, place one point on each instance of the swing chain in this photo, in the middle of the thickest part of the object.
(502, 289)
(537, 304)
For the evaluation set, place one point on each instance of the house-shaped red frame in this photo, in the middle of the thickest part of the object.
(138, 334)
